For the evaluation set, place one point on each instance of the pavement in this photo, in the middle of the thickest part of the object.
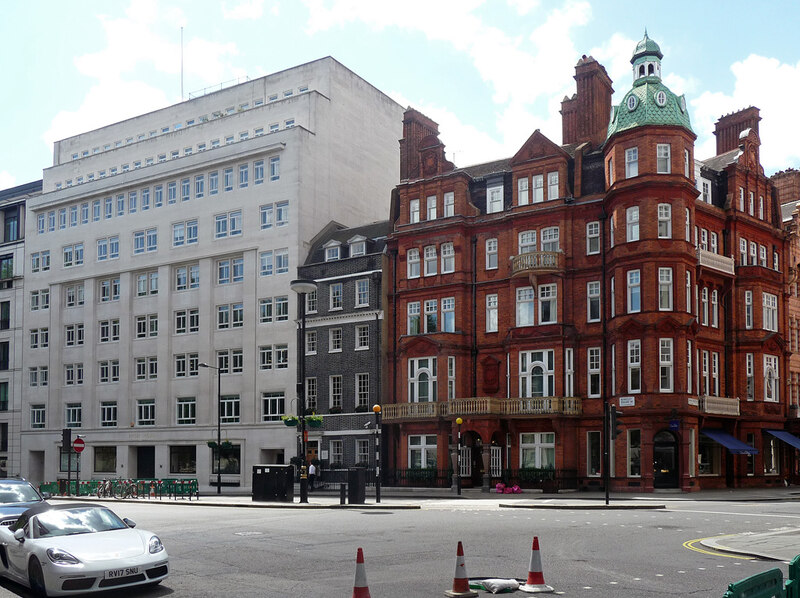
(780, 545)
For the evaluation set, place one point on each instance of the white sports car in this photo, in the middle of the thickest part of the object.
(59, 550)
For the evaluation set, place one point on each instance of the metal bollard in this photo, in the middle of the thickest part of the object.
(342, 494)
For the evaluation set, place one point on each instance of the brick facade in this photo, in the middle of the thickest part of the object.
(577, 282)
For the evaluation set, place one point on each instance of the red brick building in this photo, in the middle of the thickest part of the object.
(615, 268)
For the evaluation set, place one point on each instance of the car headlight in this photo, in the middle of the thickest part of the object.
(61, 557)
(155, 545)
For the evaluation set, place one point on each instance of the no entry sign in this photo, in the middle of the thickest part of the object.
(78, 445)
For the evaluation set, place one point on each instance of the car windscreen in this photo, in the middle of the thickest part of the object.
(85, 520)
(10, 493)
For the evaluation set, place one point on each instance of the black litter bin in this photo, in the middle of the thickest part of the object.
(357, 486)
(273, 483)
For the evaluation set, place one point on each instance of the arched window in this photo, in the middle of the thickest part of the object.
(650, 69)
(641, 70)
(422, 380)
(536, 374)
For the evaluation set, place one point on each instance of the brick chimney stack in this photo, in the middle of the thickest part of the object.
(416, 127)
(728, 128)
(584, 116)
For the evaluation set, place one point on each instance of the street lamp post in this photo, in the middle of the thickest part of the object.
(219, 424)
(302, 288)
(376, 409)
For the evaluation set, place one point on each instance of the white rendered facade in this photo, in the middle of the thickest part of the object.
(303, 147)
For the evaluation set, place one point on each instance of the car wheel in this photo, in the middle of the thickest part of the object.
(36, 578)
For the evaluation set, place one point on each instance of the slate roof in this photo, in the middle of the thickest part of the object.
(720, 162)
(479, 171)
(375, 233)
(788, 209)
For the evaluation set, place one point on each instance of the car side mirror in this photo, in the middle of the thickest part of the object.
(47, 495)
(19, 535)
(128, 522)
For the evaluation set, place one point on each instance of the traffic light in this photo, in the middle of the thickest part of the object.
(66, 438)
(613, 421)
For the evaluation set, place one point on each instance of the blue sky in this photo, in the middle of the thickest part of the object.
(489, 71)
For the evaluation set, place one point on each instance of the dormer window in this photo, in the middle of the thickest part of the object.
(332, 253)
(494, 199)
(357, 248)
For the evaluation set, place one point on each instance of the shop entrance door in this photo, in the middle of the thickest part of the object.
(665, 460)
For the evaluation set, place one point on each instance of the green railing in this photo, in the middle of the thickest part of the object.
(768, 584)
(141, 488)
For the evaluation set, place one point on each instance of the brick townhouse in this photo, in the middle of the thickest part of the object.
(615, 268)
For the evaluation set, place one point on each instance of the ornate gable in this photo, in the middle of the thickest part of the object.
(537, 147)
(749, 143)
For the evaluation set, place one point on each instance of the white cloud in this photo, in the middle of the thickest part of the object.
(523, 7)
(465, 144)
(105, 103)
(7, 180)
(146, 39)
(251, 9)
(523, 72)
(773, 87)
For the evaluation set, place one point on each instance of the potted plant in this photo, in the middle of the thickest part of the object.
(335, 409)
(314, 421)
(290, 420)
(362, 408)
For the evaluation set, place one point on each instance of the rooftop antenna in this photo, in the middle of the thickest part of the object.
(181, 63)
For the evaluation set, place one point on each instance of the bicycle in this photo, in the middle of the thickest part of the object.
(127, 489)
(105, 489)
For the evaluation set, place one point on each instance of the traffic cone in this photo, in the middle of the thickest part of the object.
(360, 588)
(460, 579)
(535, 583)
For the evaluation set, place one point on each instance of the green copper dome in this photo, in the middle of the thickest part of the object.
(649, 102)
(646, 47)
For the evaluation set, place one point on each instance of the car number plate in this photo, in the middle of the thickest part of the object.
(124, 572)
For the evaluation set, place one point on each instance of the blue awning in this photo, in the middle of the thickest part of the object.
(786, 437)
(734, 445)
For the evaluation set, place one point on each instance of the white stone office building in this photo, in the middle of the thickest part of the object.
(173, 238)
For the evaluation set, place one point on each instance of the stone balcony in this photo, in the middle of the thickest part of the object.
(717, 262)
(480, 406)
(537, 262)
(719, 405)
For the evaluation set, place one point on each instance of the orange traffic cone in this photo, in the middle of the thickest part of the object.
(535, 583)
(360, 589)
(460, 579)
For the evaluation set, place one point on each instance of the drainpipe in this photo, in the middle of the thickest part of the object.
(474, 293)
(606, 437)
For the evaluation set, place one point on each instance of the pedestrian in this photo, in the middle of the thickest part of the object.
(312, 475)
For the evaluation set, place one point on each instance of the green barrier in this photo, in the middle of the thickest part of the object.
(792, 586)
(768, 584)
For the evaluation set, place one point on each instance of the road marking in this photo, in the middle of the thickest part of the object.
(690, 544)
(751, 514)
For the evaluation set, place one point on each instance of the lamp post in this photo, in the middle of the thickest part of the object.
(459, 421)
(302, 288)
(376, 409)
(219, 424)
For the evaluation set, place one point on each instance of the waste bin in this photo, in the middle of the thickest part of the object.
(273, 483)
(356, 486)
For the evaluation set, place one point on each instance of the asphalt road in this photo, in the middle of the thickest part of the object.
(219, 551)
